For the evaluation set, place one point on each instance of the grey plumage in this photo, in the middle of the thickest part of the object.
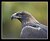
(31, 28)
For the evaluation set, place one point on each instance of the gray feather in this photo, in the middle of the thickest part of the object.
(31, 28)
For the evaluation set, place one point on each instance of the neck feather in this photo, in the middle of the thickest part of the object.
(29, 20)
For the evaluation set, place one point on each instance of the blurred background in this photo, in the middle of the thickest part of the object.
(12, 28)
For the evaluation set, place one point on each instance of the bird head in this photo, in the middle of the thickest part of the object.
(23, 16)
(20, 16)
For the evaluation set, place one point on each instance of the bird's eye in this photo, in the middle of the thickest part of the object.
(17, 14)
(21, 14)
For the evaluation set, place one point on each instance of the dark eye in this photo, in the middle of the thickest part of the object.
(22, 14)
(18, 14)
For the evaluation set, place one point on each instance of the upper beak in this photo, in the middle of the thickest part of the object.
(14, 17)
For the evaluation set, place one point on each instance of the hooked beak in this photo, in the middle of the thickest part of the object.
(14, 16)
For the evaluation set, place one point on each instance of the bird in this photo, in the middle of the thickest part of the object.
(31, 28)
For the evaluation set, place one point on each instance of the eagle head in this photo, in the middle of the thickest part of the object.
(21, 16)
(24, 16)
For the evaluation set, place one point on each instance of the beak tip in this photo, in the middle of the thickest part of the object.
(11, 17)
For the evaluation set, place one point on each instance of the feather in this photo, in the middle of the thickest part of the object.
(31, 28)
